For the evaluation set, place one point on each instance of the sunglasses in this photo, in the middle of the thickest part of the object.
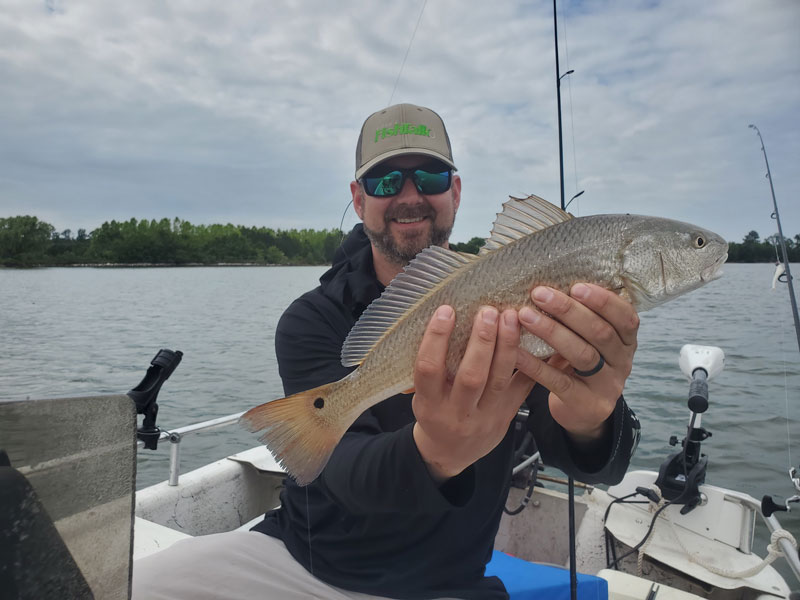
(427, 179)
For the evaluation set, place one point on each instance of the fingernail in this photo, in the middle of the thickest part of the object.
(580, 290)
(444, 313)
(510, 318)
(542, 294)
(528, 315)
(489, 315)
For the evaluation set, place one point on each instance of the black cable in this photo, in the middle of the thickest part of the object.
(525, 500)
(528, 494)
(607, 534)
(615, 563)
(614, 501)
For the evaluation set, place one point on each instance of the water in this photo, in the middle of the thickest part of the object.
(85, 331)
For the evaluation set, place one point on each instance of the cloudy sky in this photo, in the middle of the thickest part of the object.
(248, 112)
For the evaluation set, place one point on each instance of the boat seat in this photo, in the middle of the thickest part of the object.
(530, 581)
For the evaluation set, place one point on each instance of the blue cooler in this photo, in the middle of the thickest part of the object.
(528, 581)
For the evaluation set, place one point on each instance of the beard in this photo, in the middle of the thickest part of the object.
(402, 251)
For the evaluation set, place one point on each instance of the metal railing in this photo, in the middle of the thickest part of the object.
(175, 437)
(772, 523)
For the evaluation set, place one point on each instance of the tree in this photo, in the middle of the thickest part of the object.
(24, 239)
(274, 256)
(472, 247)
(751, 238)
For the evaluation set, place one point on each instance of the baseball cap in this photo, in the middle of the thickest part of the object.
(398, 130)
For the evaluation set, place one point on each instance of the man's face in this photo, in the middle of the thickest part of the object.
(401, 226)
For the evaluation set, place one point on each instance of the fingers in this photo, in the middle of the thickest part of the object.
(549, 375)
(473, 372)
(503, 360)
(597, 323)
(589, 324)
(578, 409)
(613, 308)
(430, 372)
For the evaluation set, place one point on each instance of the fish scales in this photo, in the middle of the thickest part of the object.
(647, 259)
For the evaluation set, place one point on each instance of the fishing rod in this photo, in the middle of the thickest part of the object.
(768, 505)
(573, 574)
(781, 240)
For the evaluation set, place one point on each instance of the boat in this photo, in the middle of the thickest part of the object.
(80, 526)
(73, 525)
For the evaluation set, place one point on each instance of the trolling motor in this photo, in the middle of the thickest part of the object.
(681, 475)
(145, 394)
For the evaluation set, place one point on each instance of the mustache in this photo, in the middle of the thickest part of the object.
(403, 211)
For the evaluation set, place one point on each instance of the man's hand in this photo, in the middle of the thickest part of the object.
(589, 323)
(462, 419)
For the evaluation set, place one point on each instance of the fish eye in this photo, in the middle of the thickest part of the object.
(699, 241)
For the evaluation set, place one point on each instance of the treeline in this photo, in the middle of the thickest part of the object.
(26, 241)
(753, 250)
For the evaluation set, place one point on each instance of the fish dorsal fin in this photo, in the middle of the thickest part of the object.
(429, 270)
(521, 217)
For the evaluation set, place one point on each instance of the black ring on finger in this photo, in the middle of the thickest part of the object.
(593, 370)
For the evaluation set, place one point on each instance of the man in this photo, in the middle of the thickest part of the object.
(410, 501)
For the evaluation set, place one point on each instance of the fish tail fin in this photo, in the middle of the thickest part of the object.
(299, 430)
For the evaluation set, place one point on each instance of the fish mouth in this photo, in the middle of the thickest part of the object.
(714, 271)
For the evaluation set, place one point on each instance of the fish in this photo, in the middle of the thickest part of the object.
(647, 260)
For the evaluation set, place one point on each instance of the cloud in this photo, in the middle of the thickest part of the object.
(249, 112)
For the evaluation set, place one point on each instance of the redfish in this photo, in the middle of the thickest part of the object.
(648, 260)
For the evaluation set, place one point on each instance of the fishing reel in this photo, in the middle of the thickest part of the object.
(681, 475)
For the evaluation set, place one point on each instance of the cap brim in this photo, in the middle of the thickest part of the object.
(402, 152)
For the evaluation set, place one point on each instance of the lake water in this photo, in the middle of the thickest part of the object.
(86, 331)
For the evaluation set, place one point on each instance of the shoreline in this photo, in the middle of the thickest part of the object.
(143, 265)
(156, 265)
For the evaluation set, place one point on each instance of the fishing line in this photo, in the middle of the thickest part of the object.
(411, 41)
(786, 394)
(391, 97)
(308, 523)
(341, 224)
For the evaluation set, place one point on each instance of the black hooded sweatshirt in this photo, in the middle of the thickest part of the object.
(375, 521)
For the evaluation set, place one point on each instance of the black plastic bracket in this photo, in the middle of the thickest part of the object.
(144, 395)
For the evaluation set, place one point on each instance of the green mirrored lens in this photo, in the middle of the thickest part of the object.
(387, 185)
(432, 183)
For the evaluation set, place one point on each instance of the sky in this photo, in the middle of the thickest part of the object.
(248, 112)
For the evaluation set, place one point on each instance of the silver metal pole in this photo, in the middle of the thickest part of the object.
(198, 427)
(174, 458)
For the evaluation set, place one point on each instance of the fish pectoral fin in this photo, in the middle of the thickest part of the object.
(430, 270)
(300, 430)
